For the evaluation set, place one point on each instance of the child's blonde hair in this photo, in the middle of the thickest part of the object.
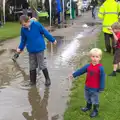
(95, 51)
(116, 25)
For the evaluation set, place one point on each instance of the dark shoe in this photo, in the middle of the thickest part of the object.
(113, 73)
(118, 70)
(95, 111)
(88, 107)
(113, 51)
(47, 78)
(32, 77)
(108, 51)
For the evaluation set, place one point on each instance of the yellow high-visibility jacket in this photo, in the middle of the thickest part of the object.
(109, 11)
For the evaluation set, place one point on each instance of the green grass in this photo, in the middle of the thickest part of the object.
(12, 30)
(109, 99)
(9, 30)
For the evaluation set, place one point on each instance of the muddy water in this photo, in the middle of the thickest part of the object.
(20, 102)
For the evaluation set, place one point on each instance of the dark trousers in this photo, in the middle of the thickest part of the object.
(108, 39)
(58, 18)
(93, 12)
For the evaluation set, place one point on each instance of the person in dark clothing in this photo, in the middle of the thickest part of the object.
(94, 4)
(0, 23)
(32, 37)
(46, 4)
(108, 39)
(54, 11)
(25, 6)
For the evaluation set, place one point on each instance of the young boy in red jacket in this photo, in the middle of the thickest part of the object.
(95, 81)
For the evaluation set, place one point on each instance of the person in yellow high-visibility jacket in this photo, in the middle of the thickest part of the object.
(119, 12)
(109, 12)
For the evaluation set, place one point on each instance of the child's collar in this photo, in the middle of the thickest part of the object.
(95, 64)
(30, 25)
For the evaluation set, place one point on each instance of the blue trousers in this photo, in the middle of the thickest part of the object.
(92, 97)
(94, 9)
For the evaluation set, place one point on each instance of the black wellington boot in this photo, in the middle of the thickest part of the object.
(113, 73)
(108, 50)
(88, 107)
(95, 110)
(118, 70)
(32, 77)
(47, 78)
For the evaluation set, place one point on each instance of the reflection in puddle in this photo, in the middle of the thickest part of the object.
(70, 50)
(18, 68)
(27, 104)
(93, 23)
(38, 105)
(51, 48)
(12, 72)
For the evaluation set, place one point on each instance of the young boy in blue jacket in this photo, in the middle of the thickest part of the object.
(32, 37)
(95, 81)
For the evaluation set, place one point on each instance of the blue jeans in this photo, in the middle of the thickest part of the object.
(92, 97)
(94, 9)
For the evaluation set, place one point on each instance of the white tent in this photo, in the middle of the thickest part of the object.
(63, 5)
(50, 13)
(4, 10)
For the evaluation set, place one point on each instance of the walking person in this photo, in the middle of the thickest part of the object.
(79, 4)
(94, 4)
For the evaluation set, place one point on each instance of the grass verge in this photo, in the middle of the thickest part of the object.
(12, 29)
(9, 30)
(109, 99)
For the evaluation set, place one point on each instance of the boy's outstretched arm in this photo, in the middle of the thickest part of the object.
(80, 71)
(22, 42)
(45, 32)
(102, 78)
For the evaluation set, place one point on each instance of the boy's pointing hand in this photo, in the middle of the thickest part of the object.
(55, 42)
(18, 50)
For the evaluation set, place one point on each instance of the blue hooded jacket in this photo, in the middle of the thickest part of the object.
(33, 38)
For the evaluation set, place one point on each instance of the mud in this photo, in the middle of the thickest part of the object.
(21, 102)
